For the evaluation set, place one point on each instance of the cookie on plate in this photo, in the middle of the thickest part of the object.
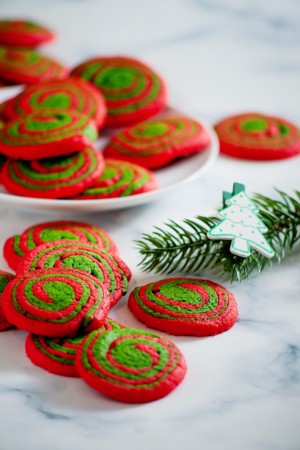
(5, 278)
(56, 302)
(109, 269)
(47, 134)
(58, 177)
(24, 33)
(26, 66)
(17, 246)
(130, 365)
(155, 143)
(184, 306)
(132, 90)
(121, 179)
(56, 95)
(257, 136)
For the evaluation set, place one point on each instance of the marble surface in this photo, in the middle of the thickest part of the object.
(242, 387)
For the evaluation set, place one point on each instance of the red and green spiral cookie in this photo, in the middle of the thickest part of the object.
(57, 355)
(5, 278)
(121, 179)
(47, 134)
(71, 93)
(109, 269)
(155, 143)
(258, 137)
(26, 66)
(133, 91)
(130, 365)
(24, 33)
(56, 302)
(58, 177)
(16, 247)
(184, 306)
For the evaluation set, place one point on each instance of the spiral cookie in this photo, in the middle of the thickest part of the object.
(24, 66)
(57, 355)
(129, 365)
(133, 92)
(71, 93)
(55, 302)
(154, 144)
(59, 177)
(5, 278)
(120, 179)
(17, 246)
(258, 137)
(23, 33)
(184, 306)
(109, 269)
(46, 134)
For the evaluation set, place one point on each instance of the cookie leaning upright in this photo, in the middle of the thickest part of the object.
(56, 302)
(109, 269)
(132, 90)
(257, 136)
(155, 143)
(46, 134)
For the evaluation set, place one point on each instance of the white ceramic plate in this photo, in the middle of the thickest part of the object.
(170, 177)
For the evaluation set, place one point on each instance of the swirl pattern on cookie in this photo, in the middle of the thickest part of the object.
(256, 136)
(46, 134)
(26, 66)
(184, 306)
(71, 93)
(109, 269)
(133, 92)
(121, 179)
(56, 302)
(130, 365)
(58, 177)
(155, 143)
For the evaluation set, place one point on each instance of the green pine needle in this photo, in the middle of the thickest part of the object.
(185, 247)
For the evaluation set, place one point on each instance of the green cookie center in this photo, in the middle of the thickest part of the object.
(255, 125)
(151, 130)
(59, 100)
(116, 78)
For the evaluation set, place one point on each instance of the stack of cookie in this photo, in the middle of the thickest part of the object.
(49, 130)
(20, 62)
(68, 278)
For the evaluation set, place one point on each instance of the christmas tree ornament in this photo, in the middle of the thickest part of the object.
(241, 224)
(186, 246)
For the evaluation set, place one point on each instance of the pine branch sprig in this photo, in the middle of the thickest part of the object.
(185, 247)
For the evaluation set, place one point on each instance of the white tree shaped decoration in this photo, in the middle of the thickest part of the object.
(241, 224)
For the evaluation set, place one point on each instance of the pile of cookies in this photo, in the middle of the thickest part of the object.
(47, 140)
(68, 278)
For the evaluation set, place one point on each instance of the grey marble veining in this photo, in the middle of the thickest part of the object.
(242, 389)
